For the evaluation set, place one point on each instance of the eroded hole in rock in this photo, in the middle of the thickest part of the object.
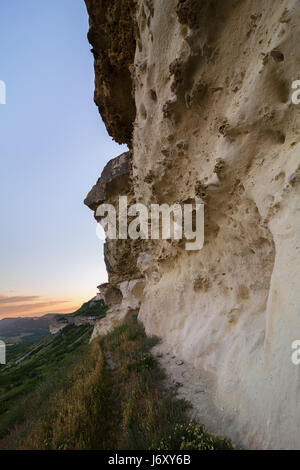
(113, 296)
(143, 111)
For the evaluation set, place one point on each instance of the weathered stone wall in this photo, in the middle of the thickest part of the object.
(112, 35)
(120, 255)
(213, 118)
(124, 290)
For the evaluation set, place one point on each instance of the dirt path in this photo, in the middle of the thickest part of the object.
(197, 387)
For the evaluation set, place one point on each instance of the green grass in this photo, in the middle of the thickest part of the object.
(33, 372)
(112, 397)
(98, 309)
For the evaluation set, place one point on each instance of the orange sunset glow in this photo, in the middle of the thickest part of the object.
(35, 305)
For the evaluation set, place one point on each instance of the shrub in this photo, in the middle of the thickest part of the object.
(193, 436)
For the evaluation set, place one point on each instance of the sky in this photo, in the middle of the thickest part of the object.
(53, 146)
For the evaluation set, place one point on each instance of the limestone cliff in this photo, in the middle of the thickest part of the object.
(124, 290)
(201, 93)
(112, 35)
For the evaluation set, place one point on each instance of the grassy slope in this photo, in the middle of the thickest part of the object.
(34, 372)
(112, 398)
(20, 332)
(97, 309)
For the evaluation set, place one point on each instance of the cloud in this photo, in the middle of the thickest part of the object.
(18, 298)
(31, 305)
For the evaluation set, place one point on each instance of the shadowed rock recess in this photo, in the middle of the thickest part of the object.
(201, 93)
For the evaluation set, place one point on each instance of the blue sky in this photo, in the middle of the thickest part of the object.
(53, 146)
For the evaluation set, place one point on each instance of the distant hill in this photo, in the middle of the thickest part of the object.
(25, 329)
(20, 331)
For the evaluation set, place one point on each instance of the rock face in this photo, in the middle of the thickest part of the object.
(123, 292)
(57, 325)
(120, 255)
(123, 299)
(112, 35)
(213, 117)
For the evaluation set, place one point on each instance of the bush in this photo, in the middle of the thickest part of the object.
(193, 436)
(144, 362)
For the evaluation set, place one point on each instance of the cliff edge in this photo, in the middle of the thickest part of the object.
(201, 93)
